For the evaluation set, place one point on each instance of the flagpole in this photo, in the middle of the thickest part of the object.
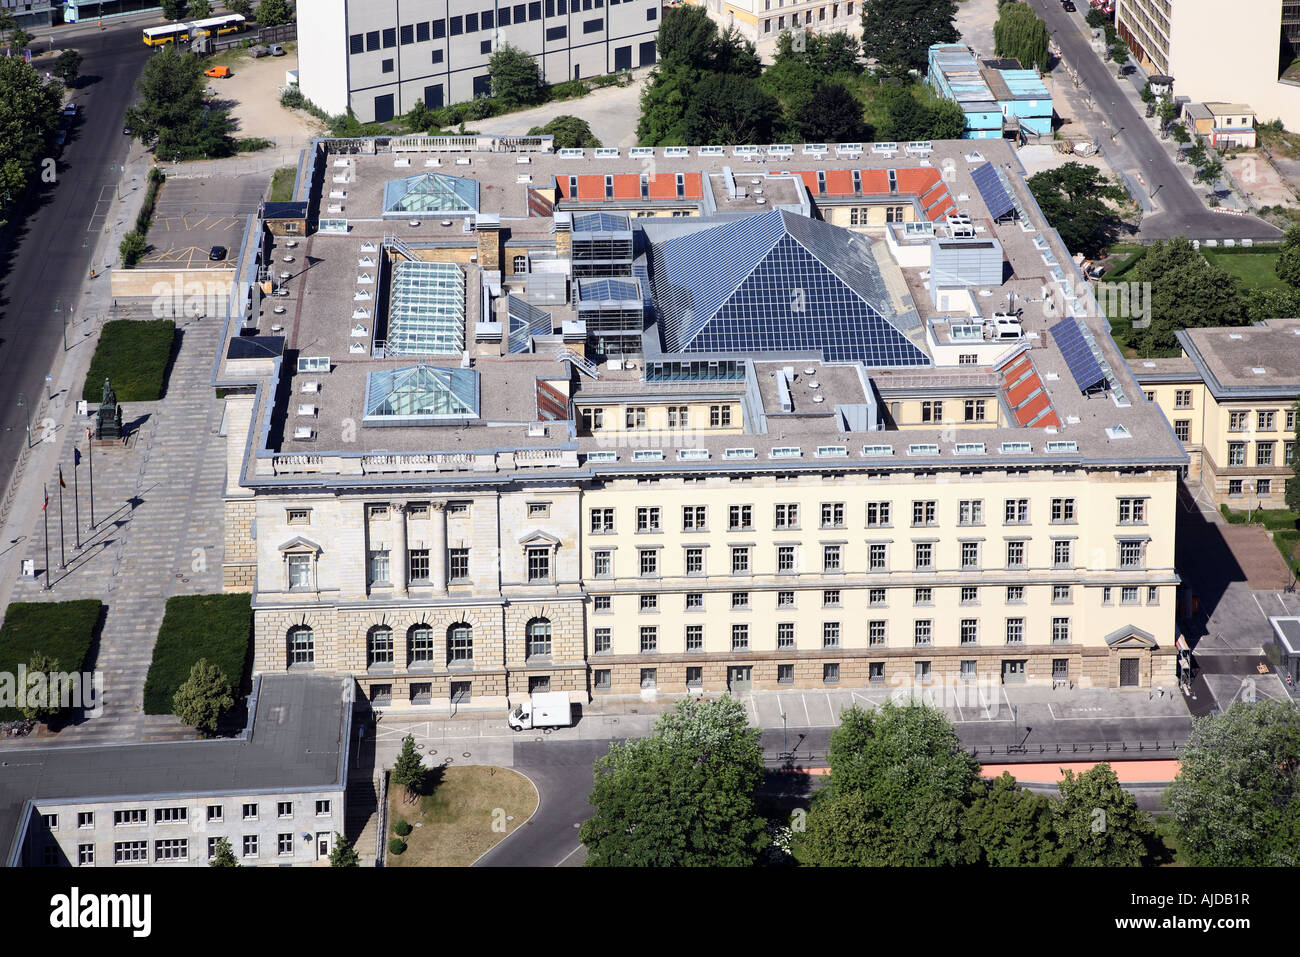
(90, 447)
(76, 497)
(45, 514)
(63, 558)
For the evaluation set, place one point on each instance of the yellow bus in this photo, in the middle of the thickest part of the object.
(172, 33)
(216, 26)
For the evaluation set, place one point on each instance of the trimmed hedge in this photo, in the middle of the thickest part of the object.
(216, 627)
(134, 355)
(63, 630)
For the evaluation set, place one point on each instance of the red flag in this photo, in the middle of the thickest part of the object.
(62, 484)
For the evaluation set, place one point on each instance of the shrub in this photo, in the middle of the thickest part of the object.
(396, 846)
(569, 89)
(252, 144)
(132, 248)
(402, 827)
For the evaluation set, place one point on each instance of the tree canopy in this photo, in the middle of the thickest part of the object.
(1098, 823)
(1073, 198)
(224, 856)
(203, 697)
(67, 67)
(682, 797)
(1007, 826)
(409, 771)
(172, 115)
(898, 34)
(831, 115)
(28, 115)
(273, 13)
(570, 132)
(516, 78)
(1021, 34)
(1186, 292)
(730, 109)
(1236, 800)
(343, 854)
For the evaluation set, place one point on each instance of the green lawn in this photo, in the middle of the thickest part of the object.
(1253, 268)
(470, 809)
(134, 355)
(62, 630)
(282, 184)
(216, 627)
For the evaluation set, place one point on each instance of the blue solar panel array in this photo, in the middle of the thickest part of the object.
(524, 321)
(609, 290)
(990, 186)
(1078, 355)
(600, 223)
(777, 282)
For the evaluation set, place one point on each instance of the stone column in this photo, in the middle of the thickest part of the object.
(398, 558)
(438, 546)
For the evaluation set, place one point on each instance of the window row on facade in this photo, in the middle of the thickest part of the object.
(419, 646)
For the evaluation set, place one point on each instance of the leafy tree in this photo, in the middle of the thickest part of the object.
(683, 796)
(792, 81)
(343, 854)
(733, 55)
(570, 132)
(225, 855)
(1197, 155)
(1096, 19)
(1146, 93)
(409, 772)
(242, 7)
(832, 115)
(172, 115)
(132, 248)
(28, 115)
(174, 9)
(204, 697)
(1236, 800)
(905, 117)
(1019, 33)
(1008, 826)
(847, 829)
(1186, 292)
(418, 118)
(945, 120)
(1180, 134)
(273, 13)
(44, 706)
(1209, 173)
(730, 109)
(1073, 197)
(198, 9)
(899, 33)
(913, 775)
(1167, 110)
(826, 53)
(67, 67)
(1266, 302)
(687, 38)
(1099, 823)
(516, 78)
(1119, 53)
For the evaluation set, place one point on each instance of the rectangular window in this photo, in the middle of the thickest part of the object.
(85, 819)
(647, 519)
(649, 679)
(695, 561)
(1183, 430)
(831, 558)
(739, 637)
(1060, 594)
(923, 632)
(1264, 453)
(417, 565)
(1153, 595)
(299, 571)
(602, 521)
(694, 678)
(175, 849)
(975, 410)
(539, 564)
(322, 808)
(968, 670)
(1015, 594)
(1132, 511)
(471, 23)
(1237, 421)
(931, 411)
(1060, 631)
(593, 26)
(283, 844)
(1130, 554)
(131, 816)
(649, 562)
(830, 634)
(923, 596)
(694, 518)
(379, 567)
(422, 31)
(170, 815)
(694, 600)
(1060, 669)
(876, 633)
(921, 672)
(250, 845)
(877, 514)
(924, 555)
(969, 595)
(877, 556)
(356, 43)
(785, 559)
(785, 674)
(1016, 511)
(390, 37)
(970, 631)
(720, 416)
(439, 29)
(785, 636)
(740, 601)
(694, 637)
(1236, 453)
(1015, 554)
(131, 852)
(649, 638)
(600, 679)
(457, 26)
(458, 564)
(1182, 398)
(386, 66)
(740, 561)
(831, 673)
(372, 40)
(787, 516)
(1015, 631)
(557, 33)
(85, 855)
(740, 518)
(1062, 554)
(923, 513)
(602, 641)
(970, 554)
(832, 514)
(785, 599)
(1266, 421)
(1062, 510)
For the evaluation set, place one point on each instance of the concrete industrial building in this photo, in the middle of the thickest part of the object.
(1231, 397)
(1241, 58)
(380, 57)
(30, 13)
(276, 793)
(997, 96)
(687, 419)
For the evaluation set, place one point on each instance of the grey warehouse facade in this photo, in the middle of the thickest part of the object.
(380, 57)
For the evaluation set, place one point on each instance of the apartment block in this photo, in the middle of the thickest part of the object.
(1231, 398)
(1244, 57)
(381, 57)
(674, 420)
(276, 793)
(764, 20)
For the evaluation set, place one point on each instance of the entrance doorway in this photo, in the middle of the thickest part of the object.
(740, 679)
(1128, 673)
(1013, 671)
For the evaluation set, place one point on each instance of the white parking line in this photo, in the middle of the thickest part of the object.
(806, 717)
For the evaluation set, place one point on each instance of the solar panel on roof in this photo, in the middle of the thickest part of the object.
(990, 186)
(1078, 355)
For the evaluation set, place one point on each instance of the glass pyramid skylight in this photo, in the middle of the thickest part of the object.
(430, 193)
(423, 392)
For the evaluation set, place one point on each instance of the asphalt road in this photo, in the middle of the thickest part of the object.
(43, 264)
(1181, 211)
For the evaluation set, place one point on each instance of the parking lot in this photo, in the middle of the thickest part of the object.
(193, 215)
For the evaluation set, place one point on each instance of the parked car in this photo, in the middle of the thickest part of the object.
(277, 50)
(1068, 6)
(258, 51)
(70, 108)
(217, 72)
(216, 254)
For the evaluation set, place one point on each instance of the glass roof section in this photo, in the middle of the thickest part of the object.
(422, 392)
(426, 311)
(777, 282)
(525, 321)
(431, 193)
(600, 223)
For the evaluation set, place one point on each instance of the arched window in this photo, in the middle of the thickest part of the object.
(302, 647)
(379, 647)
(419, 645)
(539, 638)
(460, 644)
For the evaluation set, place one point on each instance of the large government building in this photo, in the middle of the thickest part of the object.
(504, 419)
